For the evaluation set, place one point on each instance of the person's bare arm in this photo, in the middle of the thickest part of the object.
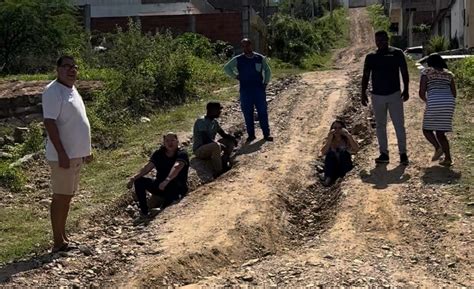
(453, 88)
(327, 145)
(53, 133)
(223, 134)
(423, 86)
(177, 167)
(353, 145)
(143, 171)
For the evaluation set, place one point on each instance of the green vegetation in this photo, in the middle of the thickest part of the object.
(464, 72)
(378, 19)
(33, 143)
(11, 178)
(464, 123)
(305, 43)
(303, 9)
(437, 44)
(33, 33)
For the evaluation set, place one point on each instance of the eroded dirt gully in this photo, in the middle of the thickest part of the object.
(268, 222)
(245, 215)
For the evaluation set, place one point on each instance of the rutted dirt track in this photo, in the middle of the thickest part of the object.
(390, 226)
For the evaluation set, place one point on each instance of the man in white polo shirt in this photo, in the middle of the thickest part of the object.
(68, 145)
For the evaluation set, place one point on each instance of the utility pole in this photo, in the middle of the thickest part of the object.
(245, 19)
(312, 9)
(330, 6)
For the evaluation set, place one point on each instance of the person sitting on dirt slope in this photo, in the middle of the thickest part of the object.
(205, 146)
(253, 72)
(171, 181)
(337, 151)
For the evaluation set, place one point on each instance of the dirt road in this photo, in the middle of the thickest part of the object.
(268, 221)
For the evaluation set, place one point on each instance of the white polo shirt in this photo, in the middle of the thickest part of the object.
(65, 106)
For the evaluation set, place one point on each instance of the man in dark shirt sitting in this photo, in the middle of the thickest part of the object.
(171, 183)
(385, 66)
(206, 147)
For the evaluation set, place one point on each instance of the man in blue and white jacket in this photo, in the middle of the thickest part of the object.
(253, 73)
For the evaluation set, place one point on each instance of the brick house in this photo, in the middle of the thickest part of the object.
(179, 16)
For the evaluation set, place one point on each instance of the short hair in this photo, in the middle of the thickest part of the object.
(213, 105)
(381, 33)
(436, 61)
(61, 59)
(246, 40)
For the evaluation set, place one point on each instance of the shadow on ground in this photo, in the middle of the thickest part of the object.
(440, 175)
(381, 178)
(8, 270)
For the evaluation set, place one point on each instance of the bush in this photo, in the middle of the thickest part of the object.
(378, 19)
(464, 75)
(302, 9)
(199, 45)
(223, 50)
(34, 141)
(33, 33)
(11, 178)
(437, 44)
(292, 40)
(149, 72)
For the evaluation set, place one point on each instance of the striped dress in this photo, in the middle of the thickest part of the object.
(440, 100)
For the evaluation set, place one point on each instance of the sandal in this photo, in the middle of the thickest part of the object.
(63, 248)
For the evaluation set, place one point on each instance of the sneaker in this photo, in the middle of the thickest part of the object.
(141, 219)
(153, 212)
(250, 139)
(437, 155)
(268, 138)
(327, 182)
(382, 159)
(404, 159)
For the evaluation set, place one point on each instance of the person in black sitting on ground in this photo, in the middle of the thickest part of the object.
(337, 151)
(171, 182)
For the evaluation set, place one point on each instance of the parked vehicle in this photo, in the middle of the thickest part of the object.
(415, 52)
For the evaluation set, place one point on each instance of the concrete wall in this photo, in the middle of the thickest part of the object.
(469, 34)
(457, 22)
(216, 26)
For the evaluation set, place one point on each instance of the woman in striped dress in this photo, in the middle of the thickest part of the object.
(438, 90)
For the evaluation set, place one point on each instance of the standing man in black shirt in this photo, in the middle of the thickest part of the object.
(171, 183)
(385, 66)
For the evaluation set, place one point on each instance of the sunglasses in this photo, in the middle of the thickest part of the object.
(69, 66)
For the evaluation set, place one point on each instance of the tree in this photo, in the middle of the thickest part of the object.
(303, 9)
(33, 32)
